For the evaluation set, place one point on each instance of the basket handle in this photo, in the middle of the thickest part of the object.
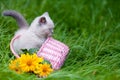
(11, 46)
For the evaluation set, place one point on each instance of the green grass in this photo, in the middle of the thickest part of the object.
(91, 28)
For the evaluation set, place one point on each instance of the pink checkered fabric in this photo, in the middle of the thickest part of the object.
(51, 50)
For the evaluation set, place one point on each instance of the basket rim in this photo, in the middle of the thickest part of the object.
(11, 46)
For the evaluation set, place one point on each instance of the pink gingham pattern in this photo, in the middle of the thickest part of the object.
(51, 50)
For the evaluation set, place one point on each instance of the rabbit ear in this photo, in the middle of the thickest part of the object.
(46, 13)
(42, 20)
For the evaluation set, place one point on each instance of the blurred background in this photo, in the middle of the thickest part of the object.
(91, 28)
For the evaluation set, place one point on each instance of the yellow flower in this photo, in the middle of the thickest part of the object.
(14, 65)
(36, 58)
(44, 70)
(29, 62)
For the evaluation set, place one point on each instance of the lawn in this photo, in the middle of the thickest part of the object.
(91, 29)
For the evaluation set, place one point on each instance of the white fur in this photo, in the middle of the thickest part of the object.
(35, 36)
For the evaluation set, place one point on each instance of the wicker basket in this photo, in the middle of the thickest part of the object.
(51, 50)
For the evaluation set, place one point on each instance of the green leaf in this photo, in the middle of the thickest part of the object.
(33, 50)
(48, 62)
(24, 51)
(30, 51)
